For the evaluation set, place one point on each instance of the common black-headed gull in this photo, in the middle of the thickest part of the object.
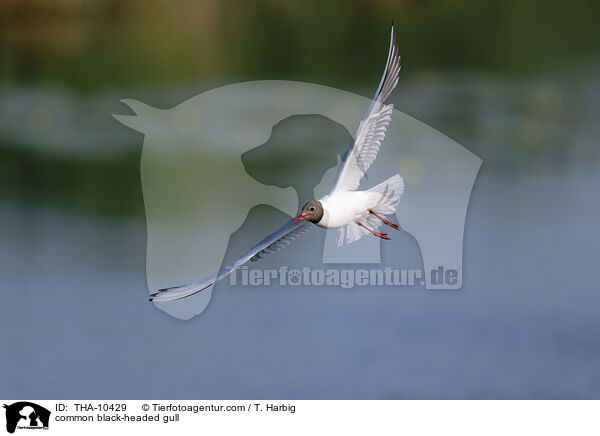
(355, 213)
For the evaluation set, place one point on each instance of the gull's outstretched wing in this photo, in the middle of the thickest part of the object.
(274, 242)
(371, 131)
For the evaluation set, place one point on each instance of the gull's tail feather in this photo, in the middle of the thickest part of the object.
(390, 192)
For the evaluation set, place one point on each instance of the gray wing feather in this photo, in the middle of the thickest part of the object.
(371, 131)
(274, 242)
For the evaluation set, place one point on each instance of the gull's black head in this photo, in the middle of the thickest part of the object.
(312, 211)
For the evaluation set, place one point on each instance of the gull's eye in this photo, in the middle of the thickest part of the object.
(312, 209)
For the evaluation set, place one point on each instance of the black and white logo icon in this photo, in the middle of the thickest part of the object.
(26, 415)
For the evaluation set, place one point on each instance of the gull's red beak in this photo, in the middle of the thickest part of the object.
(299, 217)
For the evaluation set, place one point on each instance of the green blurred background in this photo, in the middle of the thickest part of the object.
(61, 60)
(86, 46)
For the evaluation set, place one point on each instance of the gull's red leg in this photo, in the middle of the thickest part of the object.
(380, 234)
(389, 223)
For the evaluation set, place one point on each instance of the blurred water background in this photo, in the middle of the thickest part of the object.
(517, 83)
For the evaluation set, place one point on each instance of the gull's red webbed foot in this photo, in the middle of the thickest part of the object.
(389, 223)
(382, 235)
